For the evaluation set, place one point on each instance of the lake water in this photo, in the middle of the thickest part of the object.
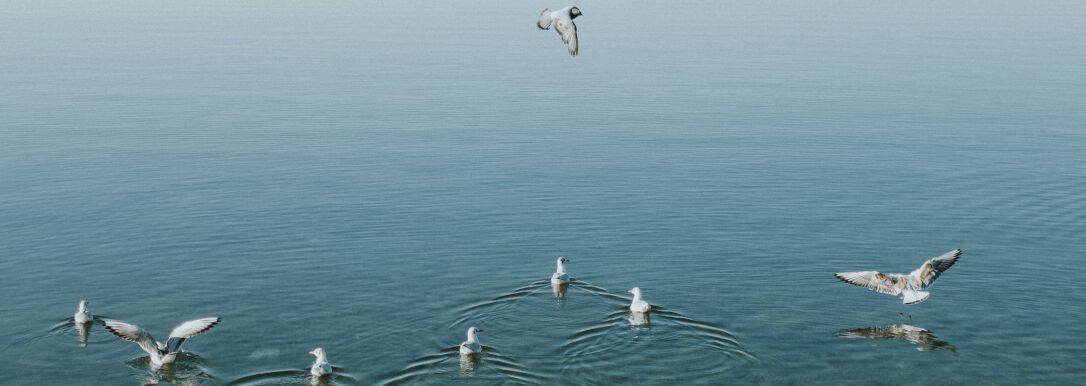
(373, 178)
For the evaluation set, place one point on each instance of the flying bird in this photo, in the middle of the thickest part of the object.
(908, 287)
(160, 353)
(562, 20)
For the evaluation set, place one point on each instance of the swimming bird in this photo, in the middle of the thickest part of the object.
(908, 287)
(562, 20)
(320, 366)
(82, 315)
(160, 353)
(638, 304)
(471, 346)
(560, 275)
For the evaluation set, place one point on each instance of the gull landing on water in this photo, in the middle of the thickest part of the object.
(562, 20)
(560, 275)
(638, 304)
(320, 366)
(160, 353)
(471, 346)
(907, 286)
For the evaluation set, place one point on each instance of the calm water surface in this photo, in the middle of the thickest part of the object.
(373, 178)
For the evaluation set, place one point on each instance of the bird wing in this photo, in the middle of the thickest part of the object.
(132, 333)
(935, 267)
(872, 280)
(189, 329)
(545, 19)
(565, 27)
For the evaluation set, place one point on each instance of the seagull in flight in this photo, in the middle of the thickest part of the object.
(160, 353)
(562, 20)
(908, 287)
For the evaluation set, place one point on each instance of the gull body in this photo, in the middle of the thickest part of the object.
(320, 365)
(560, 275)
(638, 304)
(160, 353)
(562, 20)
(471, 346)
(82, 315)
(908, 287)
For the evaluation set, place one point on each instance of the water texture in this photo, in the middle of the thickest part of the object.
(375, 177)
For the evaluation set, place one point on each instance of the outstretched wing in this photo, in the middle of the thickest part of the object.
(935, 267)
(132, 333)
(189, 329)
(545, 19)
(872, 280)
(568, 31)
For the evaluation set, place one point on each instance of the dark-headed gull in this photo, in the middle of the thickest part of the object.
(320, 366)
(908, 287)
(472, 346)
(160, 353)
(638, 304)
(560, 275)
(562, 20)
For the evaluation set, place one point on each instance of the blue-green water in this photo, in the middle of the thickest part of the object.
(375, 177)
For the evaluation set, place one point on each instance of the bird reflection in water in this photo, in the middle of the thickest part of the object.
(922, 338)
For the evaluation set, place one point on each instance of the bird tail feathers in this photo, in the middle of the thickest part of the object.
(544, 19)
(914, 297)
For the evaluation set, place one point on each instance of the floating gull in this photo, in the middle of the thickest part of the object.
(82, 315)
(160, 353)
(471, 346)
(907, 286)
(320, 366)
(560, 275)
(562, 20)
(638, 304)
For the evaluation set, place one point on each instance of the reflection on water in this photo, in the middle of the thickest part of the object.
(922, 338)
(83, 329)
(186, 369)
(467, 364)
(639, 319)
(559, 290)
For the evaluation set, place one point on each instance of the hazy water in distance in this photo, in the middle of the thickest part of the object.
(375, 177)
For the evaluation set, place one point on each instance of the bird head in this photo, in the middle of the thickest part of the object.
(317, 352)
(574, 12)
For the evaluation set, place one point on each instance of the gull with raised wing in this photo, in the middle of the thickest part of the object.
(562, 20)
(560, 275)
(471, 346)
(320, 367)
(160, 353)
(908, 287)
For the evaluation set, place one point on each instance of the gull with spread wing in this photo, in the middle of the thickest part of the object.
(160, 353)
(908, 287)
(562, 20)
